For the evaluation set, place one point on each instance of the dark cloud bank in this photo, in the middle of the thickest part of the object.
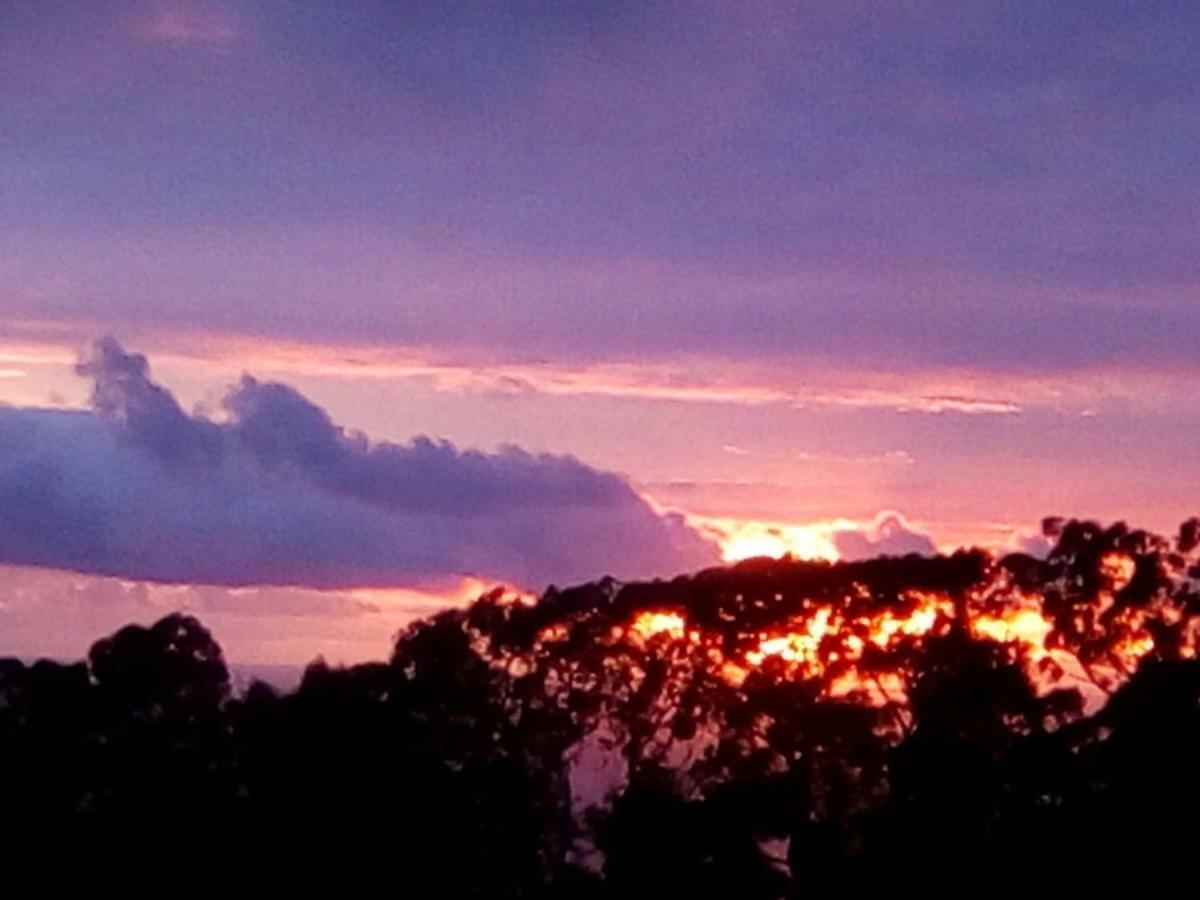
(276, 493)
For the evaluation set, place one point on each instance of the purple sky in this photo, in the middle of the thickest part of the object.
(789, 263)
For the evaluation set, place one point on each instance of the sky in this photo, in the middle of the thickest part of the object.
(315, 317)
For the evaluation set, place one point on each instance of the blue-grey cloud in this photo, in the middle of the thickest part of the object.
(273, 492)
(891, 535)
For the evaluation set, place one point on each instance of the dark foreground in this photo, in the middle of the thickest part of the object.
(769, 730)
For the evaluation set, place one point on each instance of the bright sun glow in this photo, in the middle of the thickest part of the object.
(747, 540)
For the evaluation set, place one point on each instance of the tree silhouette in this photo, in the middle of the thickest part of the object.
(765, 730)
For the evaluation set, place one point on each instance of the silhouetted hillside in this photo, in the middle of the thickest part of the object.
(764, 730)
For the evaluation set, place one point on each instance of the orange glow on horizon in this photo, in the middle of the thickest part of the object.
(829, 642)
(741, 540)
(829, 636)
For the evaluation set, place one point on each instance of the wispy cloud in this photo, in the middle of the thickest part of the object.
(700, 379)
(688, 381)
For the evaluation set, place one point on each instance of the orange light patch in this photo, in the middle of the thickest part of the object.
(652, 623)
(1025, 626)
(1118, 568)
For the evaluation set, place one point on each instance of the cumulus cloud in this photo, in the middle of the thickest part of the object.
(1031, 543)
(274, 492)
(891, 535)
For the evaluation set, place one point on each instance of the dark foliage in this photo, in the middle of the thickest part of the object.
(455, 768)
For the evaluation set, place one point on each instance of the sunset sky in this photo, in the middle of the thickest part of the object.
(533, 292)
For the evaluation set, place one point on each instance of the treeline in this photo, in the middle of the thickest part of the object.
(767, 730)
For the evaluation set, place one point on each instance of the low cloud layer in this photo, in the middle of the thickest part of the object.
(273, 492)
